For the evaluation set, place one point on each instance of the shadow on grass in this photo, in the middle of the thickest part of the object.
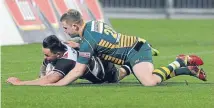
(128, 84)
(134, 84)
(186, 83)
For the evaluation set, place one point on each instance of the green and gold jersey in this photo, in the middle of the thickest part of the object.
(101, 40)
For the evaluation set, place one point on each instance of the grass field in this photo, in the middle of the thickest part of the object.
(171, 37)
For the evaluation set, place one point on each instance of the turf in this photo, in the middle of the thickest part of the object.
(170, 37)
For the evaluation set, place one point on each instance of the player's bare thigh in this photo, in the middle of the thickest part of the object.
(143, 72)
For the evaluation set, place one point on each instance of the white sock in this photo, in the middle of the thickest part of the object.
(175, 65)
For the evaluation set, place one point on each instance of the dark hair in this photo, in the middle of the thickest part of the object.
(54, 44)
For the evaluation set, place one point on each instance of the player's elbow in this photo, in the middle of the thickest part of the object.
(45, 82)
(49, 80)
(71, 77)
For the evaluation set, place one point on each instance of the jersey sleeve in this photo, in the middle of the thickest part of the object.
(64, 66)
(86, 51)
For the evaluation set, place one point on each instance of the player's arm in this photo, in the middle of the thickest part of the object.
(42, 72)
(85, 53)
(52, 78)
(43, 67)
(72, 76)
(62, 67)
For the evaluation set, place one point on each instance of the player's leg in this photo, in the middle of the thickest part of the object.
(143, 72)
(149, 77)
(111, 71)
(114, 74)
(103, 71)
(183, 65)
(124, 71)
(140, 59)
(143, 68)
(192, 69)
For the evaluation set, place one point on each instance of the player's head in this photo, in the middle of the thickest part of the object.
(72, 22)
(53, 48)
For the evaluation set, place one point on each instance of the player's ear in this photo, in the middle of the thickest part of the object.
(76, 27)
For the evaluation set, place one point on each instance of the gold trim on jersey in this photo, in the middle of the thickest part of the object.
(106, 57)
(141, 40)
(122, 40)
(132, 40)
(128, 41)
(106, 44)
(125, 41)
(113, 59)
(111, 46)
(102, 42)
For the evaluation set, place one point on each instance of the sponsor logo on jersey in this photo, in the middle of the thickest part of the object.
(97, 26)
(84, 54)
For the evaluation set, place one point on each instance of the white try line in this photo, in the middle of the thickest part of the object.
(162, 57)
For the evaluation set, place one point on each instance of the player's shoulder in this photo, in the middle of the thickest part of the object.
(92, 32)
(95, 26)
(70, 54)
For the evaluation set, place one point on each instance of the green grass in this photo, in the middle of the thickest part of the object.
(171, 37)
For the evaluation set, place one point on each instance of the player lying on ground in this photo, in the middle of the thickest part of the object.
(60, 59)
(99, 39)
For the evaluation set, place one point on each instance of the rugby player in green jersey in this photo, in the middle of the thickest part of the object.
(101, 40)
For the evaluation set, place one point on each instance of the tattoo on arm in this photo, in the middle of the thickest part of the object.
(42, 72)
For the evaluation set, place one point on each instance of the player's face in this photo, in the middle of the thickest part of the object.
(48, 55)
(70, 29)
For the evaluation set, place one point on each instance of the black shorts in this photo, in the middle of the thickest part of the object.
(111, 71)
(100, 71)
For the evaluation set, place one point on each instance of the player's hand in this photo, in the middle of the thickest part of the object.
(13, 81)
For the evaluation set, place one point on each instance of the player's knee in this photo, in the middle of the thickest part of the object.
(149, 83)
